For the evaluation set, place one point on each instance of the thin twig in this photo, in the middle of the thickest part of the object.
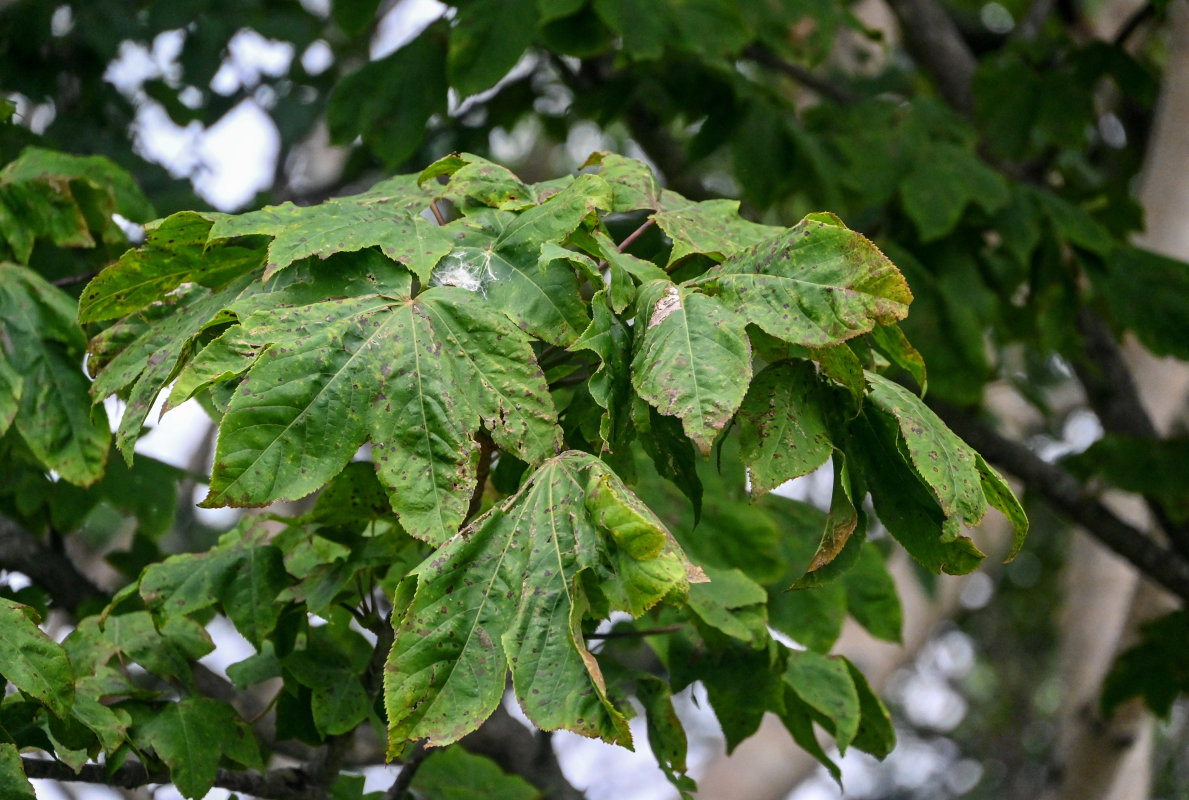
(765, 57)
(408, 770)
(634, 235)
(1134, 22)
(627, 242)
(74, 280)
(278, 784)
(635, 634)
(437, 212)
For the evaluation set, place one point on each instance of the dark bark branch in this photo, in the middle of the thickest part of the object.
(634, 235)
(23, 552)
(1134, 22)
(523, 752)
(1112, 393)
(935, 42)
(1034, 20)
(663, 149)
(74, 280)
(412, 762)
(766, 58)
(1067, 495)
(279, 784)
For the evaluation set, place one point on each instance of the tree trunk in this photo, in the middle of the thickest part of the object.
(1102, 759)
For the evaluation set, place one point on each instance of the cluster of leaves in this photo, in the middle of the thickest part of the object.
(516, 345)
(1008, 215)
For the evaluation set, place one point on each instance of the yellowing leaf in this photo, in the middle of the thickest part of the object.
(815, 284)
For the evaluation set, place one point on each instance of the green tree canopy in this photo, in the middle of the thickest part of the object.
(516, 413)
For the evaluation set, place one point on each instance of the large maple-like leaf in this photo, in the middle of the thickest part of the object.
(507, 593)
(174, 252)
(413, 376)
(386, 216)
(815, 284)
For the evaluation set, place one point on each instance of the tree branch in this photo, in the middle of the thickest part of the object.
(765, 57)
(404, 779)
(278, 784)
(936, 43)
(23, 552)
(522, 752)
(1067, 495)
(1034, 20)
(1138, 18)
(1112, 393)
(74, 280)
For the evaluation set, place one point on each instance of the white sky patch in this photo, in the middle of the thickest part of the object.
(62, 22)
(606, 771)
(175, 437)
(403, 24)
(238, 156)
(131, 68)
(317, 58)
(585, 138)
(138, 63)
(230, 646)
(250, 58)
(157, 138)
(320, 8)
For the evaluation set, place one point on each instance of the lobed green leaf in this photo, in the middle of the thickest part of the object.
(415, 377)
(505, 594)
(815, 284)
